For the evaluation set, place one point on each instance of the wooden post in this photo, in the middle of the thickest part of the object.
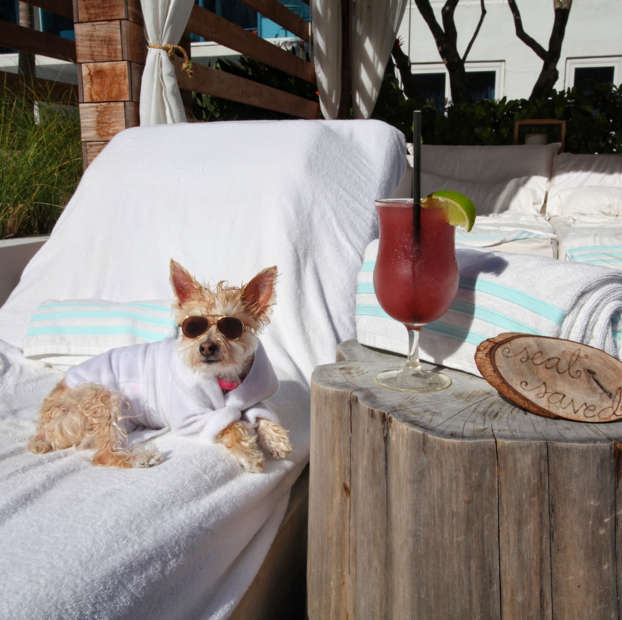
(111, 51)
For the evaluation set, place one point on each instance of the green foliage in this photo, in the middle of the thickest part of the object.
(593, 120)
(208, 108)
(40, 163)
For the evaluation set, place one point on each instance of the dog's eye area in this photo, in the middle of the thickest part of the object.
(230, 327)
(194, 326)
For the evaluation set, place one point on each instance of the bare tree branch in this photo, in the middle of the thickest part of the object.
(430, 19)
(479, 25)
(522, 35)
(449, 24)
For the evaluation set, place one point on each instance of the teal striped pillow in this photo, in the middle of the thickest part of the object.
(66, 332)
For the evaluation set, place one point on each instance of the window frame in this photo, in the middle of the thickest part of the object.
(498, 66)
(592, 62)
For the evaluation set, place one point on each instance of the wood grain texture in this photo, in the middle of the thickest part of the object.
(101, 121)
(101, 10)
(220, 84)
(90, 150)
(583, 522)
(60, 7)
(552, 377)
(106, 81)
(136, 75)
(279, 13)
(524, 530)
(35, 42)
(214, 28)
(99, 41)
(475, 508)
(328, 576)
(133, 42)
(46, 89)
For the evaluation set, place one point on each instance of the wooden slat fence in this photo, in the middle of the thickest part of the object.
(110, 51)
(32, 41)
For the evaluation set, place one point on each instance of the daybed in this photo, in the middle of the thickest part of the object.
(184, 539)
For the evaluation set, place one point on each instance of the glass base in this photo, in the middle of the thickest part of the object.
(409, 380)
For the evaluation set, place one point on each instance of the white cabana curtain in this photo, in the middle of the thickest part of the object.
(160, 99)
(373, 30)
(326, 16)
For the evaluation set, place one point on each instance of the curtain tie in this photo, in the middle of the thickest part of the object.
(172, 50)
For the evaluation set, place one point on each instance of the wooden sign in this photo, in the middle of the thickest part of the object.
(552, 377)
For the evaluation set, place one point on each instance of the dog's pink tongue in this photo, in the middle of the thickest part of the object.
(228, 385)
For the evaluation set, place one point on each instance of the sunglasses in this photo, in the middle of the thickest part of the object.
(230, 327)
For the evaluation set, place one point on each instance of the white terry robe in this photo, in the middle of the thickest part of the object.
(163, 393)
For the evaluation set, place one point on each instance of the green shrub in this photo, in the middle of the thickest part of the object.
(593, 120)
(40, 163)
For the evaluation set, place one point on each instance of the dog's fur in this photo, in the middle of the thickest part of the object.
(90, 415)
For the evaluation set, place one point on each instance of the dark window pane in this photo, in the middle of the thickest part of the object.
(236, 12)
(57, 24)
(431, 86)
(8, 13)
(481, 85)
(584, 76)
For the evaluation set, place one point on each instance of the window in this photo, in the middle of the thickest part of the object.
(267, 29)
(486, 80)
(235, 12)
(58, 25)
(481, 85)
(580, 72)
(8, 13)
(431, 86)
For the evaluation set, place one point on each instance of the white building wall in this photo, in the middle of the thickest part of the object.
(593, 31)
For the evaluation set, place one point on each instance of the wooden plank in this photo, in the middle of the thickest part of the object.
(369, 530)
(136, 74)
(328, 577)
(220, 84)
(213, 27)
(583, 522)
(524, 530)
(132, 114)
(59, 7)
(35, 42)
(102, 10)
(102, 121)
(106, 81)
(99, 42)
(279, 13)
(134, 44)
(90, 150)
(444, 554)
(135, 11)
(46, 89)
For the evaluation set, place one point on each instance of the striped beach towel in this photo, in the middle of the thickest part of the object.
(64, 333)
(498, 293)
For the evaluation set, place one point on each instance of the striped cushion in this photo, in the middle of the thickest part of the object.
(606, 255)
(64, 333)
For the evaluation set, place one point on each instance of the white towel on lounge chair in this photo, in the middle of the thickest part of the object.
(499, 293)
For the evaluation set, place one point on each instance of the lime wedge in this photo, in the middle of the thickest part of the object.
(460, 210)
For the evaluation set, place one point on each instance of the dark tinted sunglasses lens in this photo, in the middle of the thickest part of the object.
(194, 326)
(230, 327)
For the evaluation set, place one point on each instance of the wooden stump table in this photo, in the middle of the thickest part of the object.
(456, 504)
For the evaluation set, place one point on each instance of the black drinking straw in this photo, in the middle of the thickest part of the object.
(416, 174)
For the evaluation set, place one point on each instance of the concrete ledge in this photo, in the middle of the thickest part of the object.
(15, 254)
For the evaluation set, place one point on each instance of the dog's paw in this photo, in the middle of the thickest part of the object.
(273, 438)
(37, 445)
(252, 461)
(146, 456)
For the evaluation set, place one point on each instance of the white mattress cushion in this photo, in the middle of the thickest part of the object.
(574, 202)
(489, 164)
(572, 171)
(525, 195)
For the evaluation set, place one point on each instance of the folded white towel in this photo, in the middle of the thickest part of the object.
(65, 333)
(491, 230)
(498, 293)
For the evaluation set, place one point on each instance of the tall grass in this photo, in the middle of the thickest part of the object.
(40, 163)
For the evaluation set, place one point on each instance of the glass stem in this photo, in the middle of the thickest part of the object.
(413, 362)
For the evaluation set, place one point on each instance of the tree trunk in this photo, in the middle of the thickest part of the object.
(546, 80)
(26, 60)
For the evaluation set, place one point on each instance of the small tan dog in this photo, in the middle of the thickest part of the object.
(211, 381)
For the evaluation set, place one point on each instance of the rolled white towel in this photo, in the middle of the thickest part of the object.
(498, 293)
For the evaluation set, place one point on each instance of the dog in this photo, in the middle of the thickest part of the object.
(212, 380)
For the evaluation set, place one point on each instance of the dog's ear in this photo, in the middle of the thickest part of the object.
(259, 294)
(184, 285)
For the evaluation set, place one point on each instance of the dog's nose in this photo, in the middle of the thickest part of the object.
(208, 348)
